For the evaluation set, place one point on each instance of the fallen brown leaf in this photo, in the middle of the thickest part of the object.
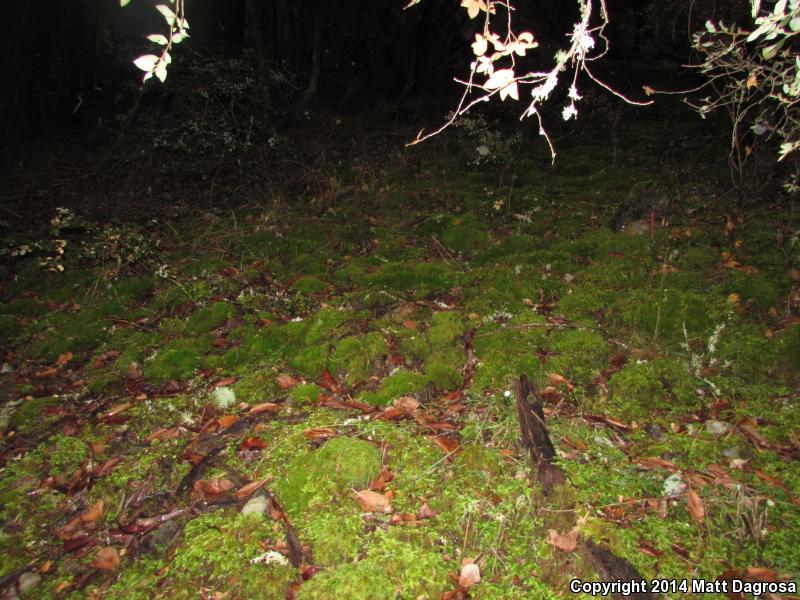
(106, 559)
(248, 488)
(63, 359)
(264, 407)
(286, 381)
(211, 488)
(695, 505)
(373, 501)
(566, 542)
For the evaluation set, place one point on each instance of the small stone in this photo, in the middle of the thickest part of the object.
(717, 427)
(257, 505)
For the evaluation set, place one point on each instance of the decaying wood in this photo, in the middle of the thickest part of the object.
(535, 437)
(611, 567)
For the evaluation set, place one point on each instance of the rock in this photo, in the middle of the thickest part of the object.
(717, 427)
(257, 505)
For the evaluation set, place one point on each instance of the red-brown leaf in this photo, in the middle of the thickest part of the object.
(566, 542)
(286, 382)
(373, 501)
(248, 488)
(211, 488)
(695, 505)
(264, 407)
(106, 559)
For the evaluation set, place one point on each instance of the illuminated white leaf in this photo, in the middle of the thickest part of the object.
(499, 79)
(179, 37)
(158, 39)
(480, 45)
(167, 12)
(124, 3)
(510, 90)
(472, 6)
(161, 72)
(146, 62)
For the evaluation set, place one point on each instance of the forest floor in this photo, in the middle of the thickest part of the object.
(315, 399)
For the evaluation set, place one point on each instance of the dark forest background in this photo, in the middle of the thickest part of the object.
(64, 61)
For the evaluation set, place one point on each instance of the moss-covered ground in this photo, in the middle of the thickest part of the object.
(371, 344)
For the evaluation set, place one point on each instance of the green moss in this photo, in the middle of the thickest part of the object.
(133, 346)
(178, 360)
(216, 550)
(309, 285)
(399, 383)
(753, 289)
(256, 387)
(324, 323)
(310, 361)
(443, 368)
(9, 329)
(209, 317)
(505, 352)
(751, 354)
(465, 233)
(306, 393)
(172, 327)
(74, 333)
(259, 346)
(133, 289)
(66, 454)
(29, 416)
(393, 568)
(354, 358)
(363, 580)
(662, 314)
(641, 389)
(23, 307)
(446, 327)
(579, 354)
(424, 277)
(505, 287)
(335, 537)
(339, 465)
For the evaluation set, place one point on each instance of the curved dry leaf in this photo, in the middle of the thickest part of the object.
(211, 488)
(264, 407)
(286, 381)
(695, 506)
(373, 501)
(319, 433)
(248, 488)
